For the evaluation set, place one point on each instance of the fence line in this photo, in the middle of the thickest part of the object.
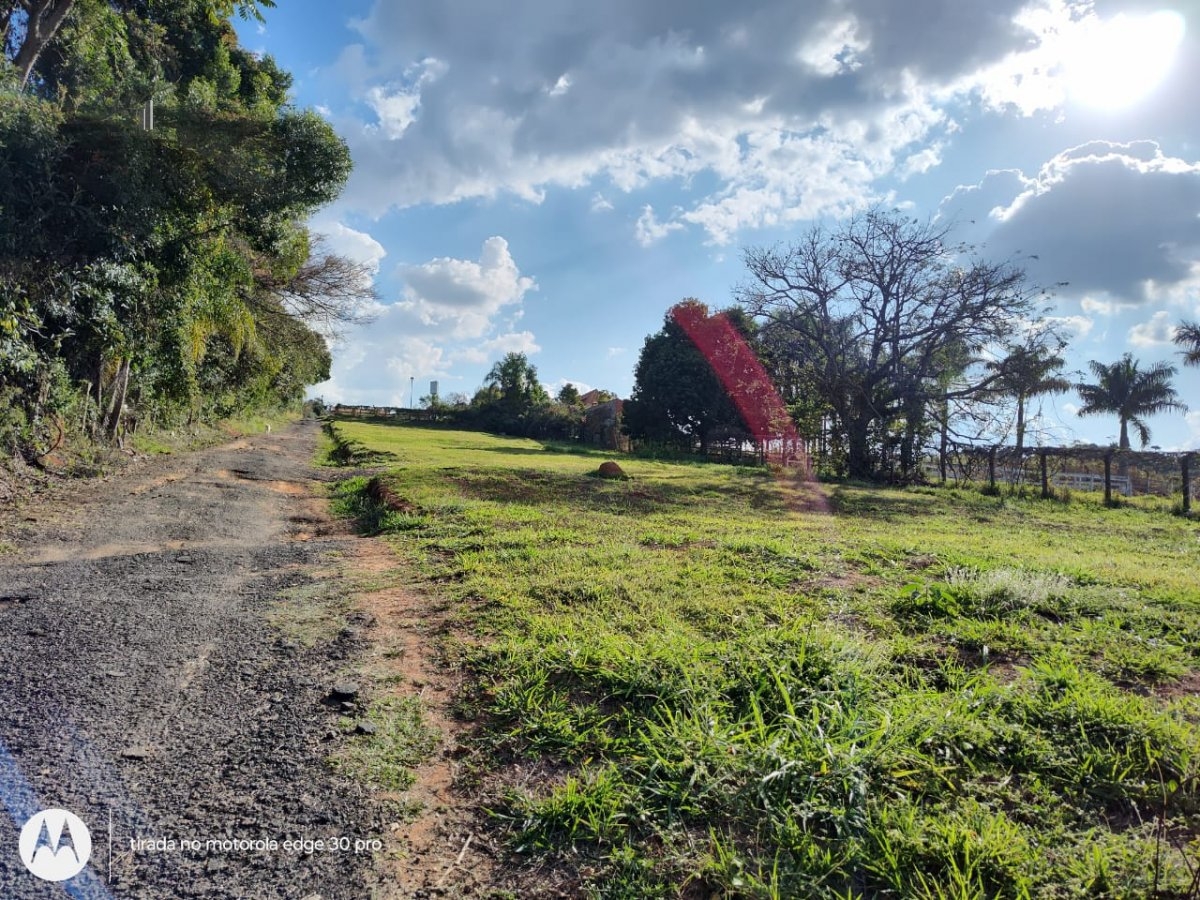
(1161, 473)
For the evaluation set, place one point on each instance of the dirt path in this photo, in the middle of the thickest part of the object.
(143, 683)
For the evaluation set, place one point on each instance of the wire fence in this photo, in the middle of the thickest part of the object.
(1117, 473)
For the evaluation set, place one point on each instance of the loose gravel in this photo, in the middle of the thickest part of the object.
(144, 688)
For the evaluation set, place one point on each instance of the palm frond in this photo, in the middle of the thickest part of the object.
(1142, 429)
(1187, 336)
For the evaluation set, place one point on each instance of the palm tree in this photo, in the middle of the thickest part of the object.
(1187, 336)
(1130, 393)
(1028, 372)
(517, 382)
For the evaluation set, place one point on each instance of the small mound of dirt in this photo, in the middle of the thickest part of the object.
(610, 469)
(385, 496)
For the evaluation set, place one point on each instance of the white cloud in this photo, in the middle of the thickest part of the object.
(582, 386)
(1031, 78)
(463, 296)
(649, 230)
(834, 48)
(794, 110)
(1156, 331)
(416, 357)
(396, 105)
(922, 161)
(494, 348)
(1074, 326)
(453, 312)
(1104, 306)
(356, 245)
(1117, 222)
(615, 351)
(600, 203)
(561, 86)
(1193, 424)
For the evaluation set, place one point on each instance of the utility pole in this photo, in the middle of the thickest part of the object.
(411, 379)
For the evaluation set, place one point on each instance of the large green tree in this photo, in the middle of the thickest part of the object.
(170, 269)
(1131, 393)
(677, 397)
(32, 28)
(876, 309)
(511, 396)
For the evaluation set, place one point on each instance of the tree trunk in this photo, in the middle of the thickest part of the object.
(859, 453)
(1123, 464)
(944, 442)
(1020, 426)
(45, 17)
(117, 402)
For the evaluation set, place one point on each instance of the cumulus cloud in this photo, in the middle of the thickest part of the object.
(1156, 331)
(793, 110)
(1118, 222)
(463, 296)
(452, 312)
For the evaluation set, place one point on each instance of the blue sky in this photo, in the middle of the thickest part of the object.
(551, 176)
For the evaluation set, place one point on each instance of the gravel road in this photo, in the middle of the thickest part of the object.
(144, 688)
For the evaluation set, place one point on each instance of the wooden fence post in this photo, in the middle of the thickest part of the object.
(1185, 465)
(1108, 478)
(1045, 478)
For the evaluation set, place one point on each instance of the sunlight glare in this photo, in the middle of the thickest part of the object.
(1116, 62)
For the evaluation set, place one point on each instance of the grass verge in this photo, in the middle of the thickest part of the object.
(733, 684)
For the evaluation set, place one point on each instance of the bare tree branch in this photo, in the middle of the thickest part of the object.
(329, 292)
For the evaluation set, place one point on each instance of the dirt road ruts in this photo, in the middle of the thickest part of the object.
(143, 684)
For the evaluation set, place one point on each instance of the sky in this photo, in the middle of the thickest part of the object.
(550, 176)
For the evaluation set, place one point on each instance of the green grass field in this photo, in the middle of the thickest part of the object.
(731, 684)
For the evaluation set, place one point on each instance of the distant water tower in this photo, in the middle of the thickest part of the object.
(433, 391)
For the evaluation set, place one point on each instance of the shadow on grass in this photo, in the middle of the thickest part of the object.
(548, 449)
(538, 487)
(882, 503)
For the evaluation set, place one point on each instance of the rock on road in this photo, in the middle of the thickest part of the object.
(144, 688)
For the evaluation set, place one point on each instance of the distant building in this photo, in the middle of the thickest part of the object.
(595, 397)
(602, 424)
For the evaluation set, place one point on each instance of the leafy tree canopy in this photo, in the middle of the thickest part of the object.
(1131, 393)
(677, 397)
(166, 269)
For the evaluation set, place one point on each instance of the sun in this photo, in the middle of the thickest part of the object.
(1114, 63)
